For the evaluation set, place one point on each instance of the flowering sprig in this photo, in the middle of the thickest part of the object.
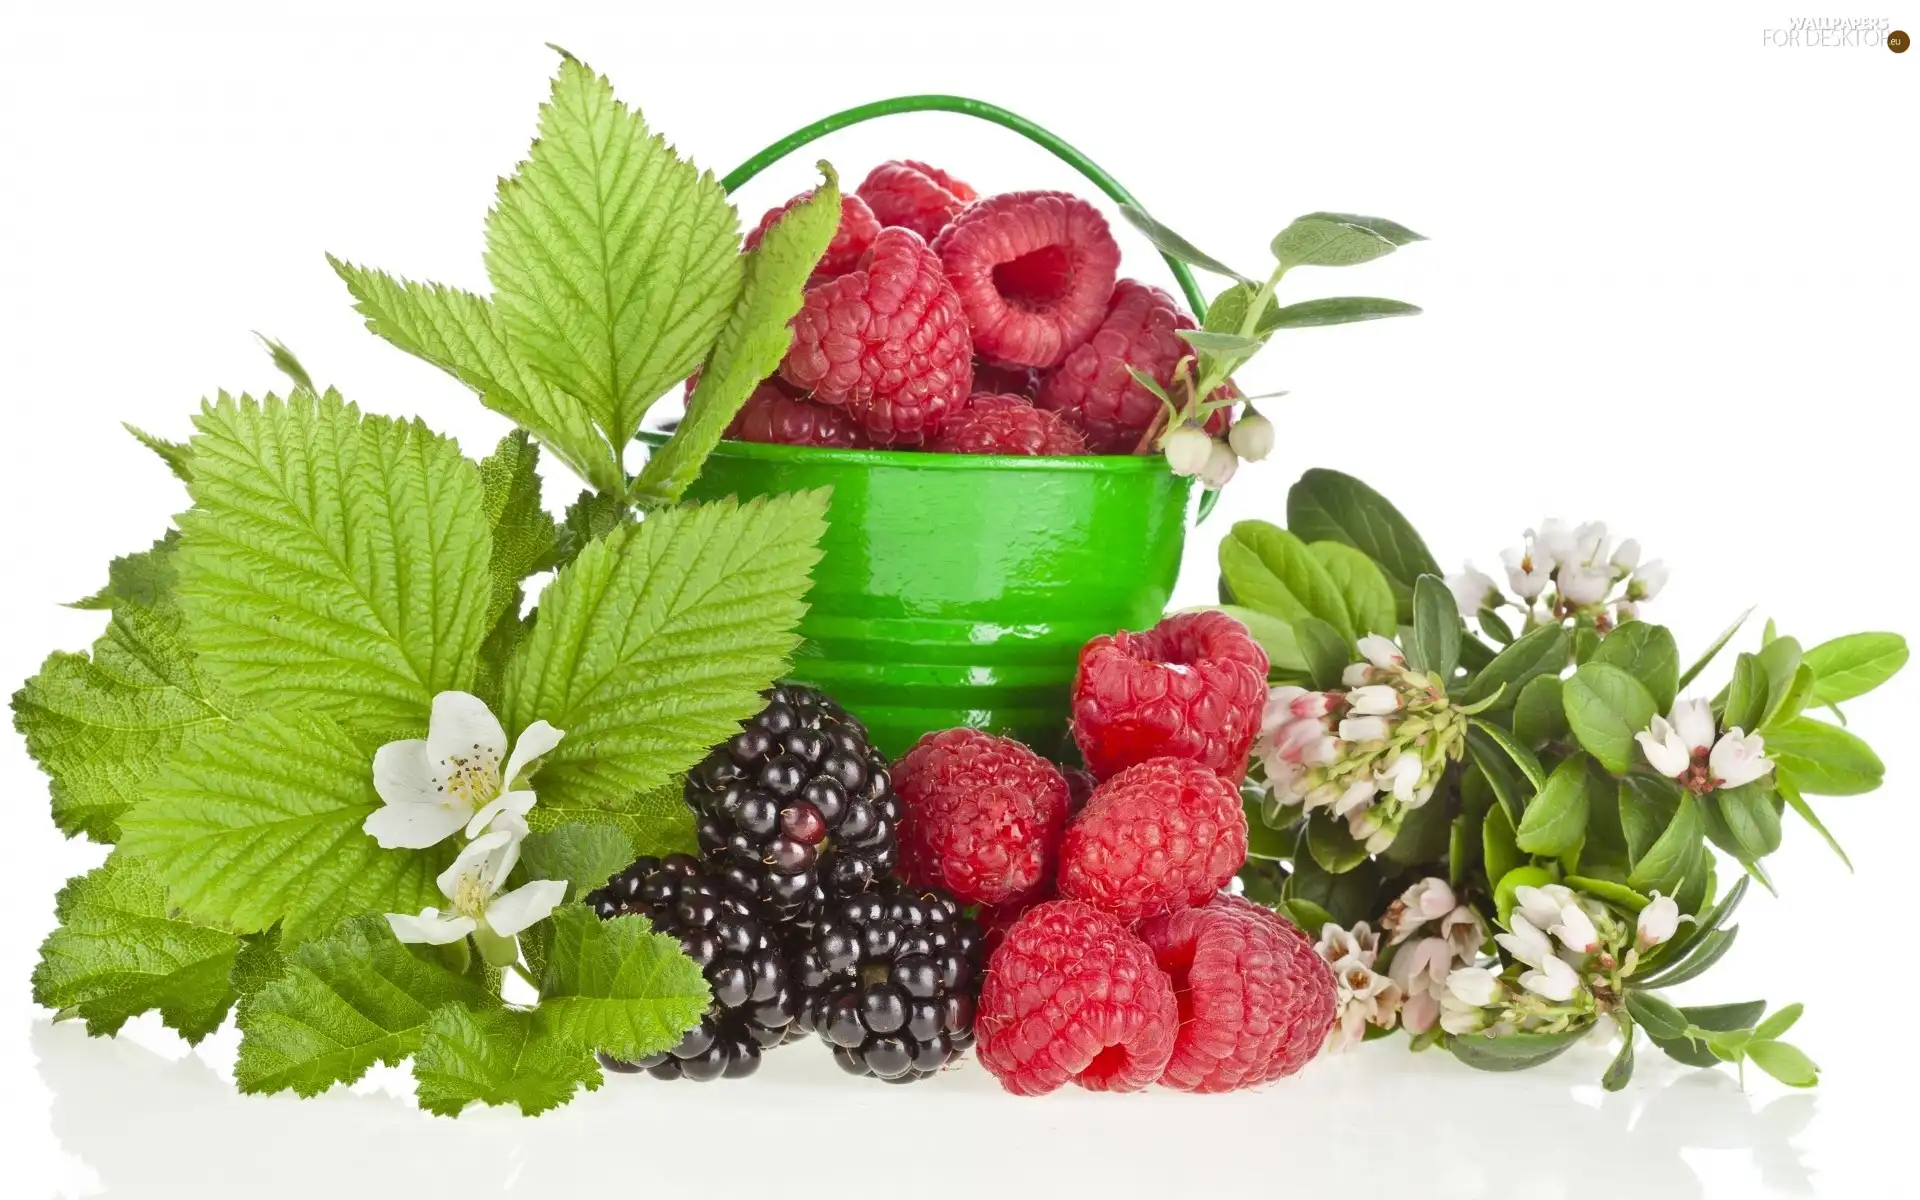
(1565, 573)
(1683, 747)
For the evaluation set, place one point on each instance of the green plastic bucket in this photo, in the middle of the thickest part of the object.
(957, 589)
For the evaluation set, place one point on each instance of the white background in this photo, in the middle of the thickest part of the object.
(1673, 282)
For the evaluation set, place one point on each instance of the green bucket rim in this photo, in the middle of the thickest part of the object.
(921, 460)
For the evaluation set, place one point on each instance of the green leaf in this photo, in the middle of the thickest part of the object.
(1540, 714)
(1275, 636)
(1746, 695)
(1263, 841)
(177, 455)
(1306, 916)
(1665, 862)
(1716, 1017)
(1658, 1017)
(1497, 628)
(1787, 1063)
(1646, 804)
(1434, 644)
(1780, 658)
(1504, 897)
(1620, 1071)
(1648, 653)
(586, 856)
(657, 640)
(523, 537)
(1714, 918)
(1556, 822)
(1270, 569)
(101, 727)
(1499, 849)
(1166, 241)
(1331, 845)
(1720, 643)
(146, 577)
(1522, 757)
(751, 345)
(1703, 954)
(1392, 231)
(1362, 585)
(1742, 821)
(347, 1001)
(1536, 655)
(1329, 506)
(1228, 345)
(1618, 895)
(1605, 708)
(462, 335)
(1349, 897)
(497, 1056)
(260, 821)
(1326, 652)
(1854, 665)
(1798, 804)
(615, 263)
(1329, 240)
(1338, 310)
(1422, 838)
(1819, 759)
(332, 562)
(287, 363)
(1512, 1051)
(1513, 782)
(616, 986)
(1799, 692)
(117, 953)
(1777, 1024)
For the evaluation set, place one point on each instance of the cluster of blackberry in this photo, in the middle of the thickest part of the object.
(792, 912)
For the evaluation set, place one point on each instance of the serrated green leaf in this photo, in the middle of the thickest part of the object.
(332, 562)
(117, 953)
(259, 822)
(586, 856)
(614, 262)
(347, 1001)
(1326, 505)
(1542, 652)
(1338, 310)
(751, 345)
(1166, 241)
(1605, 708)
(146, 577)
(618, 987)
(1362, 585)
(1785, 1062)
(1819, 759)
(497, 1056)
(287, 363)
(1855, 664)
(522, 535)
(102, 726)
(177, 455)
(657, 640)
(1648, 653)
(461, 334)
(1556, 821)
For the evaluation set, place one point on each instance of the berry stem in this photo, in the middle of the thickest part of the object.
(966, 106)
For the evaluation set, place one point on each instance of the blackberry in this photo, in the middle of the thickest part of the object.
(724, 931)
(798, 806)
(889, 979)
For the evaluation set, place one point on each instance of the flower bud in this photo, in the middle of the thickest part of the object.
(1251, 437)
(1221, 463)
(1374, 700)
(1474, 985)
(1658, 922)
(1188, 450)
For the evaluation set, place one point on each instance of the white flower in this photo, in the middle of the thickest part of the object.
(1431, 898)
(1360, 942)
(1279, 710)
(1381, 652)
(1473, 589)
(1525, 941)
(1251, 436)
(1221, 464)
(1693, 720)
(1401, 776)
(431, 788)
(473, 885)
(1363, 997)
(1589, 544)
(1422, 965)
(1658, 921)
(1356, 674)
(1575, 930)
(1358, 794)
(1553, 544)
(1583, 585)
(1553, 979)
(1464, 931)
(1541, 906)
(1738, 759)
(1374, 700)
(1647, 580)
(1475, 986)
(1665, 749)
(1527, 572)
(1187, 449)
(1627, 557)
(1364, 729)
(1458, 1017)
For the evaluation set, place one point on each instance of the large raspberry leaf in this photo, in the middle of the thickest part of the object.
(462, 334)
(118, 953)
(332, 562)
(259, 822)
(617, 986)
(656, 642)
(614, 261)
(498, 1056)
(352, 999)
(753, 343)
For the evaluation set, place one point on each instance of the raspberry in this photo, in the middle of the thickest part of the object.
(854, 237)
(774, 414)
(992, 424)
(1194, 686)
(1034, 271)
(914, 196)
(1000, 379)
(1072, 996)
(1093, 383)
(981, 816)
(1255, 1000)
(887, 341)
(1162, 835)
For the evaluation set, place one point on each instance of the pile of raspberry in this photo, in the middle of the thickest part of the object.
(942, 320)
(1116, 958)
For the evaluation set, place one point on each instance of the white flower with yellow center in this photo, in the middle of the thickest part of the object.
(453, 779)
(478, 906)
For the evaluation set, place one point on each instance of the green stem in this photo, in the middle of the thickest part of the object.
(1052, 142)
